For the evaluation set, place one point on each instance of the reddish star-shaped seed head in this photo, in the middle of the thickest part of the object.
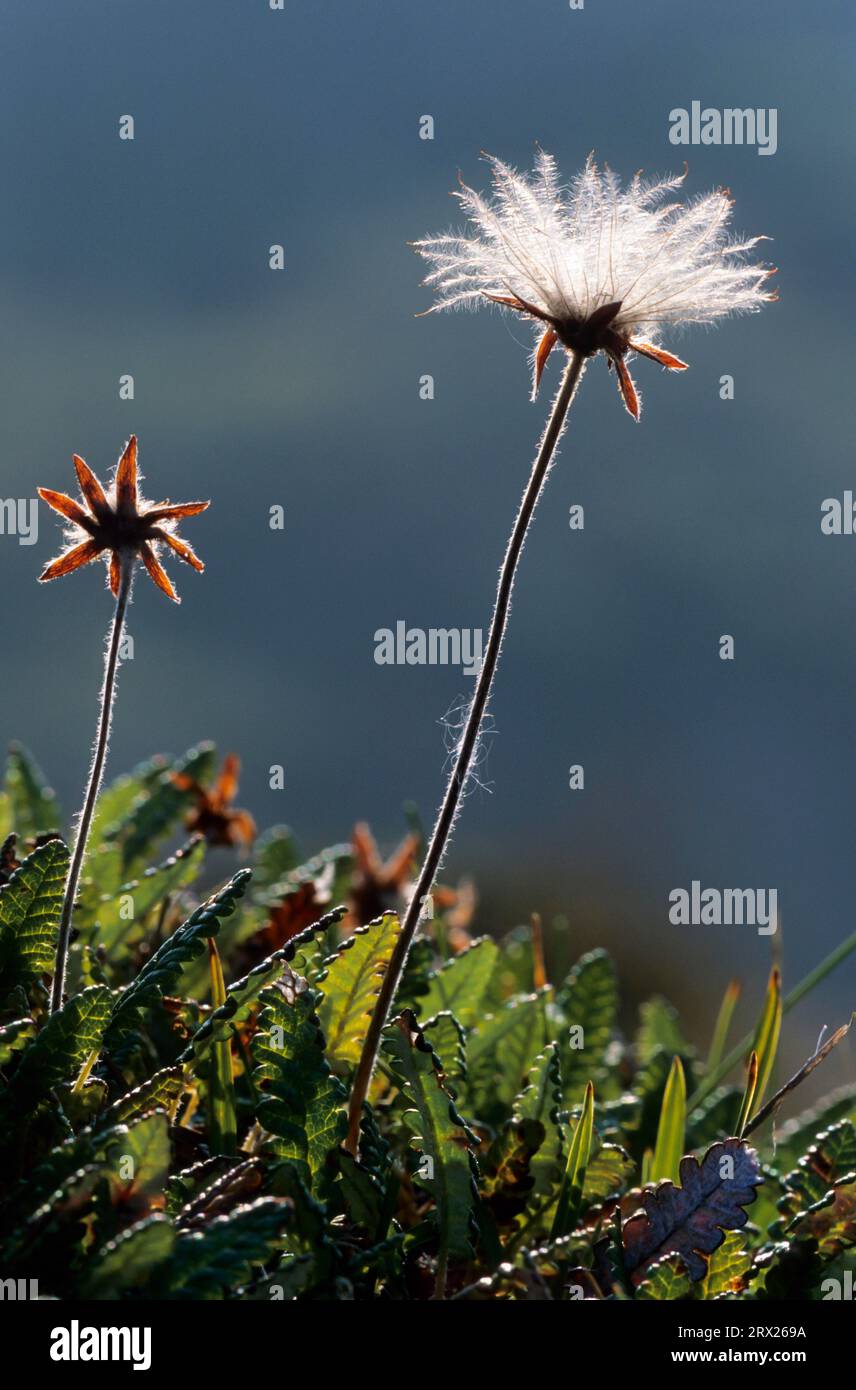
(213, 814)
(119, 524)
(377, 887)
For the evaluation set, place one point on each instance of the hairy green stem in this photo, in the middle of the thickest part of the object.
(96, 772)
(466, 747)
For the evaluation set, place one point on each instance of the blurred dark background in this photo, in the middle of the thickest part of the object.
(300, 388)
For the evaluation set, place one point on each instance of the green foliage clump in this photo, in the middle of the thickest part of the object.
(175, 1130)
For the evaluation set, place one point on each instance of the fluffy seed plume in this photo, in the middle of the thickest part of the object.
(598, 267)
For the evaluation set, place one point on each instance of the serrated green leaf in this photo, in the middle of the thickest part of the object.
(137, 1157)
(62, 1047)
(118, 921)
(161, 1090)
(158, 809)
(350, 985)
(119, 797)
(242, 996)
(275, 854)
(229, 1188)
(829, 1159)
(129, 1261)
(588, 1001)
(542, 1100)
(507, 1181)
(161, 973)
(216, 1260)
(830, 1224)
(184, 1187)
(368, 1184)
(666, 1280)
(421, 963)
(82, 1100)
(448, 1040)
(332, 869)
(610, 1172)
(95, 1152)
(659, 1028)
(514, 970)
(14, 1036)
(461, 984)
(33, 805)
(50, 1236)
(375, 1149)
(307, 952)
(30, 907)
(363, 1193)
(727, 1267)
(301, 1100)
(501, 1051)
(438, 1132)
(49, 1174)
(310, 1257)
(786, 1271)
(795, 1136)
(102, 878)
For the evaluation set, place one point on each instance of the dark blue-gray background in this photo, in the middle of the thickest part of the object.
(300, 388)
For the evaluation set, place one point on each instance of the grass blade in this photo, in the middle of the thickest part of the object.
(766, 1040)
(805, 986)
(749, 1095)
(221, 1086)
(722, 1025)
(571, 1191)
(671, 1130)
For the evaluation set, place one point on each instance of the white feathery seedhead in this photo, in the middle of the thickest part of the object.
(597, 266)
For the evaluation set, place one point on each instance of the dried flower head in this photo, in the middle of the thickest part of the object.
(600, 268)
(213, 815)
(120, 525)
(296, 908)
(378, 886)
